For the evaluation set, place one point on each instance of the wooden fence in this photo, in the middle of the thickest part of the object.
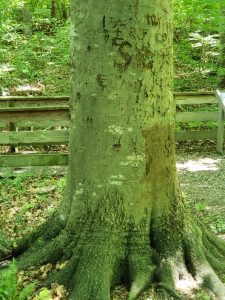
(196, 98)
(38, 121)
(43, 116)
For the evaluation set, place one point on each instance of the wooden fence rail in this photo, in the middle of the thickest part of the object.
(196, 98)
(221, 117)
(35, 121)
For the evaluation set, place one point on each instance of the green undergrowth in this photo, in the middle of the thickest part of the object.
(9, 285)
(213, 217)
(193, 125)
(37, 65)
(196, 45)
(27, 200)
(21, 285)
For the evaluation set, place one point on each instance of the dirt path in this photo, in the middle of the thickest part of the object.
(202, 177)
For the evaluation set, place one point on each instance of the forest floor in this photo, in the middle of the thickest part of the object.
(26, 201)
(201, 172)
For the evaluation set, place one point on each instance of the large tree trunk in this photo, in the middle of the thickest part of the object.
(123, 218)
(222, 51)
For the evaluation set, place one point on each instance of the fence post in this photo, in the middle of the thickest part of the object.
(12, 127)
(220, 128)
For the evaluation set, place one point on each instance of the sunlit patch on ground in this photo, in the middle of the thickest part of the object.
(4, 68)
(187, 285)
(201, 164)
(29, 89)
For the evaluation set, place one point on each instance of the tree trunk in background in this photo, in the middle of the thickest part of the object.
(64, 15)
(27, 20)
(59, 9)
(222, 51)
(123, 220)
(53, 9)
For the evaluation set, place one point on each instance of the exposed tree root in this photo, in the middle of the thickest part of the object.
(42, 252)
(98, 258)
(140, 266)
(47, 231)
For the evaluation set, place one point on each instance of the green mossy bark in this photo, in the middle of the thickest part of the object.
(221, 82)
(122, 219)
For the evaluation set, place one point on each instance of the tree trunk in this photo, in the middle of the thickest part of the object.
(64, 15)
(53, 8)
(222, 51)
(123, 219)
(27, 20)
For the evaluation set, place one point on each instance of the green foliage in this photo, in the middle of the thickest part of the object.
(215, 221)
(39, 64)
(35, 61)
(196, 15)
(31, 64)
(202, 295)
(25, 202)
(218, 225)
(196, 44)
(44, 294)
(62, 184)
(9, 288)
(5, 243)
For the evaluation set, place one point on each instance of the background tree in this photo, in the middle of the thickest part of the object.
(27, 19)
(53, 9)
(123, 218)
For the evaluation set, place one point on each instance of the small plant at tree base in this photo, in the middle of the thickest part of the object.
(202, 295)
(9, 288)
(44, 294)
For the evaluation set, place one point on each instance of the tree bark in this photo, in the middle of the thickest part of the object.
(53, 8)
(64, 15)
(123, 219)
(27, 20)
(222, 51)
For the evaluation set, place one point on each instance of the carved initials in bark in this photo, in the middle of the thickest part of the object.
(125, 55)
(101, 80)
(153, 20)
